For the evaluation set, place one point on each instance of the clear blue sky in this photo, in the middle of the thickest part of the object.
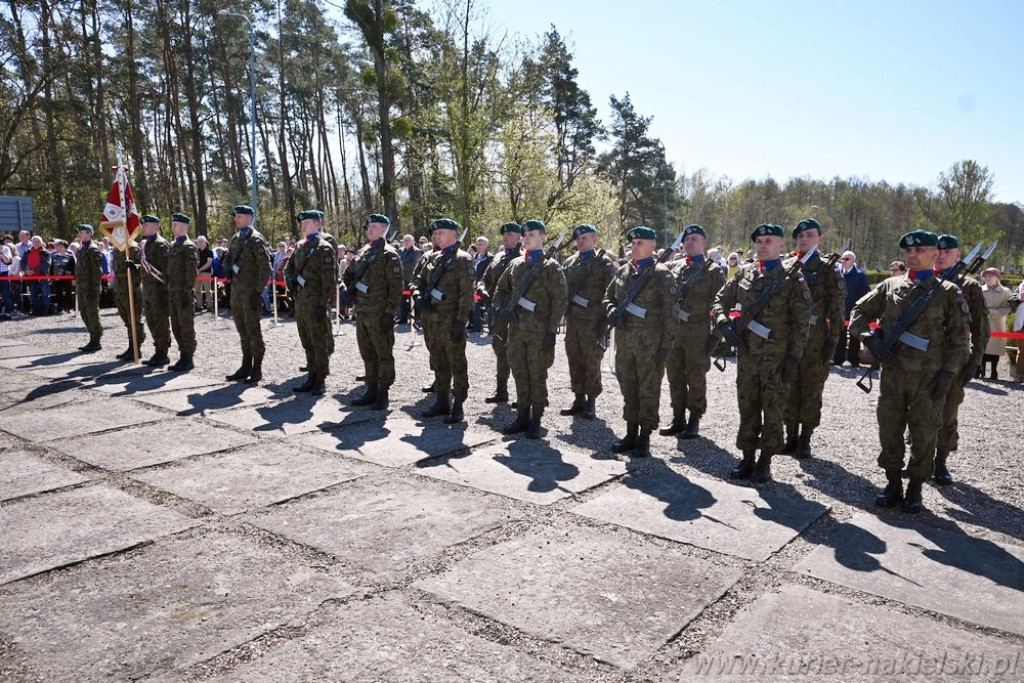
(896, 90)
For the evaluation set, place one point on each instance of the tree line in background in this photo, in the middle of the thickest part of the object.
(367, 105)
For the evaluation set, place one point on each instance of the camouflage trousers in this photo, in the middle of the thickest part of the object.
(447, 356)
(89, 309)
(584, 355)
(530, 363)
(124, 310)
(315, 335)
(761, 397)
(158, 317)
(948, 436)
(905, 402)
(687, 370)
(376, 347)
(804, 396)
(183, 321)
(499, 344)
(247, 312)
(639, 374)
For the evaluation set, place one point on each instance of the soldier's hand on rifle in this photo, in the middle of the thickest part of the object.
(729, 333)
(614, 316)
(458, 331)
(875, 344)
(968, 373)
(789, 366)
(549, 340)
(420, 304)
(940, 385)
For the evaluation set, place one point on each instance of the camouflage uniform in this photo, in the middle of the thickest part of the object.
(587, 279)
(88, 283)
(759, 387)
(948, 438)
(499, 328)
(642, 344)
(804, 397)
(444, 322)
(182, 270)
(154, 289)
(311, 274)
(528, 356)
(689, 360)
(374, 278)
(905, 391)
(121, 292)
(247, 267)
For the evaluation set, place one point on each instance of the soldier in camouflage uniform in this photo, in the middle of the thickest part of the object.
(948, 437)
(312, 276)
(768, 351)
(919, 371)
(531, 296)
(247, 267)
(442, 294)
(698, 280)
(828, 294)
(587, 274)
(88, 283)
(642, 338)
(125, 260)
(374, 281)
(511, 236)
(182, 271)
(154, 290)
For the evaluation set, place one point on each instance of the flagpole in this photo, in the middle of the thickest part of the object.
(132, 332)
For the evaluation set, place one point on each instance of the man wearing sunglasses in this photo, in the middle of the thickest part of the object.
(848, 348)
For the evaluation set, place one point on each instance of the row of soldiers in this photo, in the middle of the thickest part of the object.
(782, 313)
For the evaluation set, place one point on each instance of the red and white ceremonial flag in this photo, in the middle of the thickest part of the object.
(119, 225)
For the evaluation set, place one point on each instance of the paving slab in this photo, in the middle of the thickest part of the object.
(398, 441)
(64, 360)
(601, 593)
(9, 441)
(23, 473)
(131, 385)
(176, 603)
(33, 402)
(531, 471)
(96, 367)
(151, 444)
(84, 418)
(205, 400)
(252, 477)
(799, 634)
(18, 351)
(382, 639)
(383, 525)
(71, 526)
(296, 416)
(736, 520)
(973, 579)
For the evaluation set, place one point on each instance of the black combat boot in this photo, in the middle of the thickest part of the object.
(360, 378)
(792, 439)
(126, 354)
(256, 374)
(500, 394)
(578, 404)
(746, 466)
(457, 415)
(643, 444)
(521, 424)
(678, 424)
(306, 386)
(803, 444)
(942, 475)
(442, 405)
(892, 495)
(382, 398)
(763, 468)
(912, 501)
(692, 430)
(184, 364)
(242, 372)
(628, 442)
(159, 359)
(533, 429)
(427, 389)
(590, 410)
(319, 389)
(92, 347)
(368, 398)
(995, 365)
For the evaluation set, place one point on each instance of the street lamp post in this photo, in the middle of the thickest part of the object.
(252, 102)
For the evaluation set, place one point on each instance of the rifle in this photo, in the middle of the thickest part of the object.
(748, 318)
(830, 263)
(634, 291)
(508, 310)
(581, 279)
(900, 332)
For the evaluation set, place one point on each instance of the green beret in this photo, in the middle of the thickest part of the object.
(310, 213)
(583, 229)
(445, 224)
(919, 238)
(150, 219)
(180, 218)
(694, 230)
(243, 209)
(84, 226)
(534, 224)
(767, 229)
(806, 224)
(377, 218)
(512, 227)
(642, 232)
(948, 242)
